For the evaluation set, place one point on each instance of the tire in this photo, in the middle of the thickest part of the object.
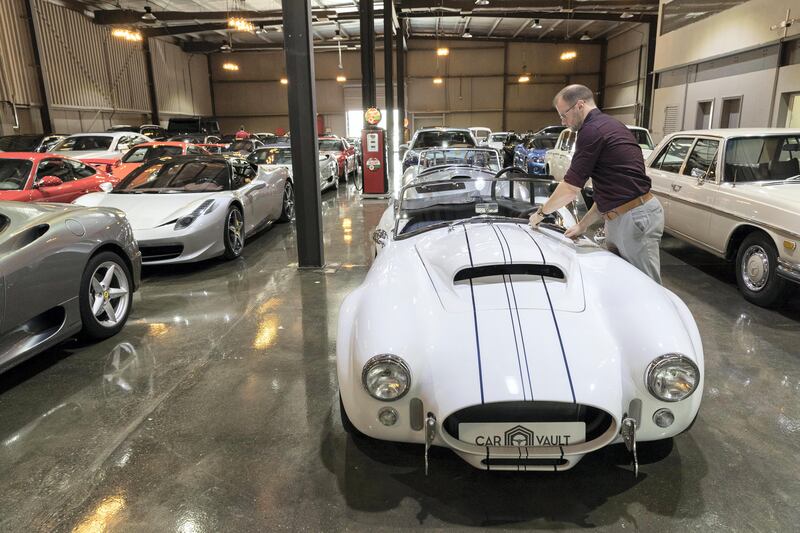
(101, 290)
(233, 233)
(287, 209)
(756, 276)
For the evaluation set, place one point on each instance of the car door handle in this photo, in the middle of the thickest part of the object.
(258, 186)
(676, 187)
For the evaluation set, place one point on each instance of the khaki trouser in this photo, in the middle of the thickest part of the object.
(636, 235)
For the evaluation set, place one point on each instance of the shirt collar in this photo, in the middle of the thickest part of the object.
(592, 114)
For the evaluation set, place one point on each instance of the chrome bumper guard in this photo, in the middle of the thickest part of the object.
(788, 271)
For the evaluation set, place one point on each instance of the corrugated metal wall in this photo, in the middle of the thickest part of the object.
(17, 73)
(181, 80)
(86, 68)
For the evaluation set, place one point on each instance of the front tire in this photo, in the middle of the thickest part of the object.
(234, 233)
(756, 276)
(287, 211)
(106, 296)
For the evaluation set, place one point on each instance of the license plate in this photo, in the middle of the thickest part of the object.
(487, 208)
(522, 433)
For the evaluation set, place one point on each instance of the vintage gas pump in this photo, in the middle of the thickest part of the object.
(373, 159)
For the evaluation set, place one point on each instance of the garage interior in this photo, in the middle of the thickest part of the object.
(216, 407)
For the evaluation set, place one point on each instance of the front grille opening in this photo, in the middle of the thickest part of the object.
(597, 421)
(160, 253)
(524, 462)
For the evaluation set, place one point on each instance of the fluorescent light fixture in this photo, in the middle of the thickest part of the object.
(126, 34)
(443, 51)
(233, 67)
(438, 81)
(525, 78)
(569, 55)
(340, 78)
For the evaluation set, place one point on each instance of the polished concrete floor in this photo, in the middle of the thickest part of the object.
(216, 409)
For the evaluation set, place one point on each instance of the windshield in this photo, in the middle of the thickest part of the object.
(768, 158)
(14, 173)
(19, 143)
(146, 153)
(480, 134)
(643, 139)
(427, 205)
(443, 139)
(177, 176)
(276, 140)
(330, 146)
(84, 143)
(271, 156)
(542, 143)
(498, 137)
(472, 157)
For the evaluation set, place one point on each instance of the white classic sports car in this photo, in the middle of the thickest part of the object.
(516, 348)
(190, 208)
(274, 157)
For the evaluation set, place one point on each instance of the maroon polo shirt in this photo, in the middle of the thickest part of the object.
(607, 152)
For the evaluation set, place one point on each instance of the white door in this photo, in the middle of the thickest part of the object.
(697, 189)
(664, 171)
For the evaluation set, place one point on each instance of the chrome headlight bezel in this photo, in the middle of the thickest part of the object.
(666, 361)
(391, 360)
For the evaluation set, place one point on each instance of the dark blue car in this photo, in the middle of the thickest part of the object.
(529, 154)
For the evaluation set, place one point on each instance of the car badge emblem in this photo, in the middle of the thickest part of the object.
(519, 436)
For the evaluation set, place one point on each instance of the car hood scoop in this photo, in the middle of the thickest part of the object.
(494, 266)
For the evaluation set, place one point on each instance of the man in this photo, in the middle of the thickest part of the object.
(606, 151)
(242, 133)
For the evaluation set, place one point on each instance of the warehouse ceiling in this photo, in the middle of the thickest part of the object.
(201, 25)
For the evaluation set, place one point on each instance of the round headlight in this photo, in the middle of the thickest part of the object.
(672, 377)
(386, 377)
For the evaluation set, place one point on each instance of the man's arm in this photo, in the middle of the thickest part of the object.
(585, 223)
(564, 194)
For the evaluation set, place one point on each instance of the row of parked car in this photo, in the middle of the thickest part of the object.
(732, 192)
(65, 268)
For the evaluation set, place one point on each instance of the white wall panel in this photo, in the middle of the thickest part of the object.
(18, 81)
(181, 79)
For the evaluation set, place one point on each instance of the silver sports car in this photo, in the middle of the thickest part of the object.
(191, 208)
(63, 269)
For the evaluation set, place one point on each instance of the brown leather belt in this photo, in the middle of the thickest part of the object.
(627, 206)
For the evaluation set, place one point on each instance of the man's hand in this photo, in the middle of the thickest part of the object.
(536, 218)
(575, 231)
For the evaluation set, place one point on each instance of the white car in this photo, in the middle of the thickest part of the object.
(558, 160)
(281, 157)
(426, 138)
(476, 333)
(191, 208)
(481, 134)
(430, 161)
(99, 149)
(736, 193)
(497, 140)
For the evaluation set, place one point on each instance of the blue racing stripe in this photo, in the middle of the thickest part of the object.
(519, 321)
(475, 316)
(511, 315)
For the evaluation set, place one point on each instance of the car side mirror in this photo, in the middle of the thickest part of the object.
(50, 181)
(699, 174)
(106, 187)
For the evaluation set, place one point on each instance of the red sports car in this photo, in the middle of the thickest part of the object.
(141, 153)
(36, 177)
(344, 153)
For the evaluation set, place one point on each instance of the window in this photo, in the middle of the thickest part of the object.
(444, 139)
(773, 157)
(242, 175)
(84, 143)
(55, 167)
(80, 170)
(146, 153)
(671, 159)
(14, 173)
(705, 113)
(642, 138)
(731, 113)
(194, 176)
(569, 140)
(703, 159)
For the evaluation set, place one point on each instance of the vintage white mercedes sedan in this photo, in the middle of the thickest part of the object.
(736, 194)
(474, 332)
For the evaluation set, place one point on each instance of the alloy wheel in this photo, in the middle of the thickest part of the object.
(235, 230)
(288, 201)
(109, 294)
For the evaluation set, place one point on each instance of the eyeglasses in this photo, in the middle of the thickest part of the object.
(564, 114)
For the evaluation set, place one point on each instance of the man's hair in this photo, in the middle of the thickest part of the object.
(572, 93)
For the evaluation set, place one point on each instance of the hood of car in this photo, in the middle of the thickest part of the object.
(494, 266)
(105, 154)
(781, 194)
(147, 211)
